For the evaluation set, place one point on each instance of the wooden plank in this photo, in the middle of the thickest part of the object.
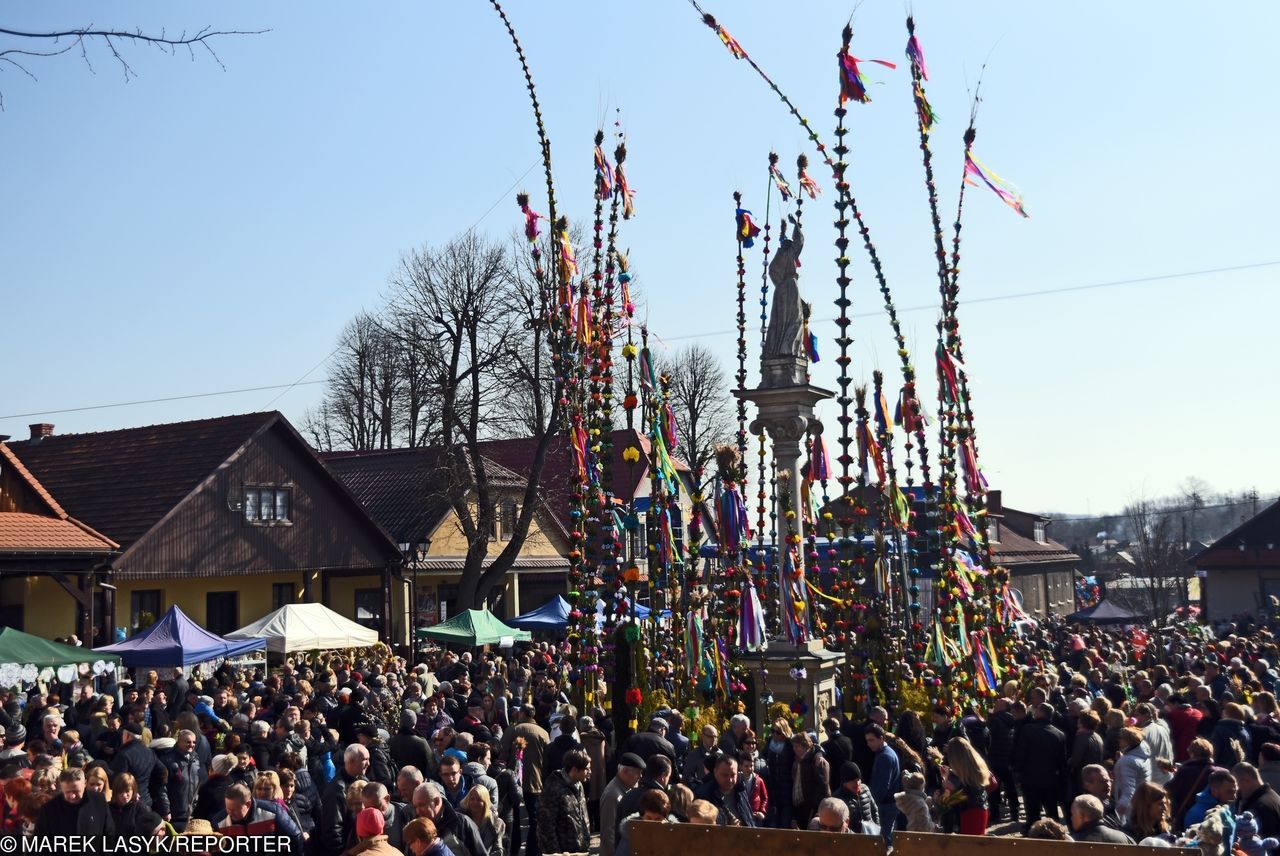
(933, 844)
(686, 839)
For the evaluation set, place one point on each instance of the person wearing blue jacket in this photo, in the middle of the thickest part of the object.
(1221, 790)
(886, 772)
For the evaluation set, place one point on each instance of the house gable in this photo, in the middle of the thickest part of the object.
(207, 532)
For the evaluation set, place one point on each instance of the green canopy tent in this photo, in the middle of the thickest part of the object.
(474, 627)
(23, 657)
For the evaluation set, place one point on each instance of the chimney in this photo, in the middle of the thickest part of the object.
(995, 504)
(40, 430)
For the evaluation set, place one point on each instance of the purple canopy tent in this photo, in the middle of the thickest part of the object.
(176, 640)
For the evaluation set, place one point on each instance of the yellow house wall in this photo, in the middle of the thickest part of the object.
(48, 610)
(449, 539)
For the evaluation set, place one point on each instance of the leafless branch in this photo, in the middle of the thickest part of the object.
(63, 41)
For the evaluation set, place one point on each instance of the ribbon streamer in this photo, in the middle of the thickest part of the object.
(974, 171)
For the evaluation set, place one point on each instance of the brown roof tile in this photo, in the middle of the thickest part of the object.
(122, 482)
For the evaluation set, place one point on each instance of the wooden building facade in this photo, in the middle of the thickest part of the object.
(228, 518)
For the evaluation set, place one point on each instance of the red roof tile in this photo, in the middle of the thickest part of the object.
(21, 532)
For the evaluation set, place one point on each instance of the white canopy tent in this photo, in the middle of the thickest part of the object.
(306, 627)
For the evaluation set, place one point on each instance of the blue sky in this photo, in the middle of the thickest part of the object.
(195, 230)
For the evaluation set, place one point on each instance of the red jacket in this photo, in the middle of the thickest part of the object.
(757, 794)
(1183, 722)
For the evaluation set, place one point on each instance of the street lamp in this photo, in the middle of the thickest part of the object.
(413, 556)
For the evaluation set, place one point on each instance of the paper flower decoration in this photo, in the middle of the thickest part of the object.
(67, 673)
(29, 674)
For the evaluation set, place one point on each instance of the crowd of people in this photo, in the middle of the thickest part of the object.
(1093, 737)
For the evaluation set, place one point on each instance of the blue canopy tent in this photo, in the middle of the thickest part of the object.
(176, 640)
(551, 616)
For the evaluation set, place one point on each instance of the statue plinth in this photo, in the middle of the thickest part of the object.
(817, 689)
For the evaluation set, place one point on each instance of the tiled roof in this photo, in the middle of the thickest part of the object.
(21, 532)
(123, 482)
(394, 487)
(557, 472)
(1016, 548)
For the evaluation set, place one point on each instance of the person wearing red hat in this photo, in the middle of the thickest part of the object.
(370, 825)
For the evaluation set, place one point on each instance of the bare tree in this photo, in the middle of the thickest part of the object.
(487, 322)
(52, 43)
(701, 403)
(1159, 559)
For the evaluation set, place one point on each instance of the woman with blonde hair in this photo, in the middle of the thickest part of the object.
(478, 806)
(267, 787)
(966, 781)
(97, 780)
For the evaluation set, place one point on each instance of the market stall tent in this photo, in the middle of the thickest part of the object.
(552, 615)
(1105, 612)
(306, 627)
(23, 657)
(473, 627)
(176, 640)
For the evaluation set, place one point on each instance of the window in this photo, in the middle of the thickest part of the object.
(369, 608)
(144, 609)
(993, 531)
(1039, 532)
(493, 524)
(267, 505)
(282, 594)
(221, 612)
(508, 519)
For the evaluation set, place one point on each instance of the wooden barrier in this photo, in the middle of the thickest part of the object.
(932, 844)
(687, 839)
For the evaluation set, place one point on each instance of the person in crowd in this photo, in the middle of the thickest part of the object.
(1221, 790)
(421, 839)
(630, 771)
(779, 759)
(1087, 825)
(458, 831)
(1133, 767)
(727, 793)
(913, 804)
(832, 816)
(75, 811)
(1258, 798)
(696, 764)
(966, 781)
(1040, 761)
(479, 807)
(562, 811)
(812, 778)
(1151, 815)
(885, 776)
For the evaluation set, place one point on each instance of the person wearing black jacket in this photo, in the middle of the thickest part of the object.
(1258, 797)
(335, 818)
(553, 758)
(653, 742)
(1003, 729)
(381, 767)
(457, 830)
(837, 747)
(724, 791)
(657, 776)
(408, 748)
(780, 761)
(1040, 760)
(136, 759)
(74, 811)
(182, 769)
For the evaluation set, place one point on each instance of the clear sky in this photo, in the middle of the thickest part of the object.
(196, 230)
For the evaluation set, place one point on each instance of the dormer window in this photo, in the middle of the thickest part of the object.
(267, 505)
(1039, 532)
(993, 531)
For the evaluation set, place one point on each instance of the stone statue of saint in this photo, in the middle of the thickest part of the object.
(784, 336)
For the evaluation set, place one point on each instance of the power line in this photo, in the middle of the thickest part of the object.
(1019, 295)
(993, 298)
(159, 400)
